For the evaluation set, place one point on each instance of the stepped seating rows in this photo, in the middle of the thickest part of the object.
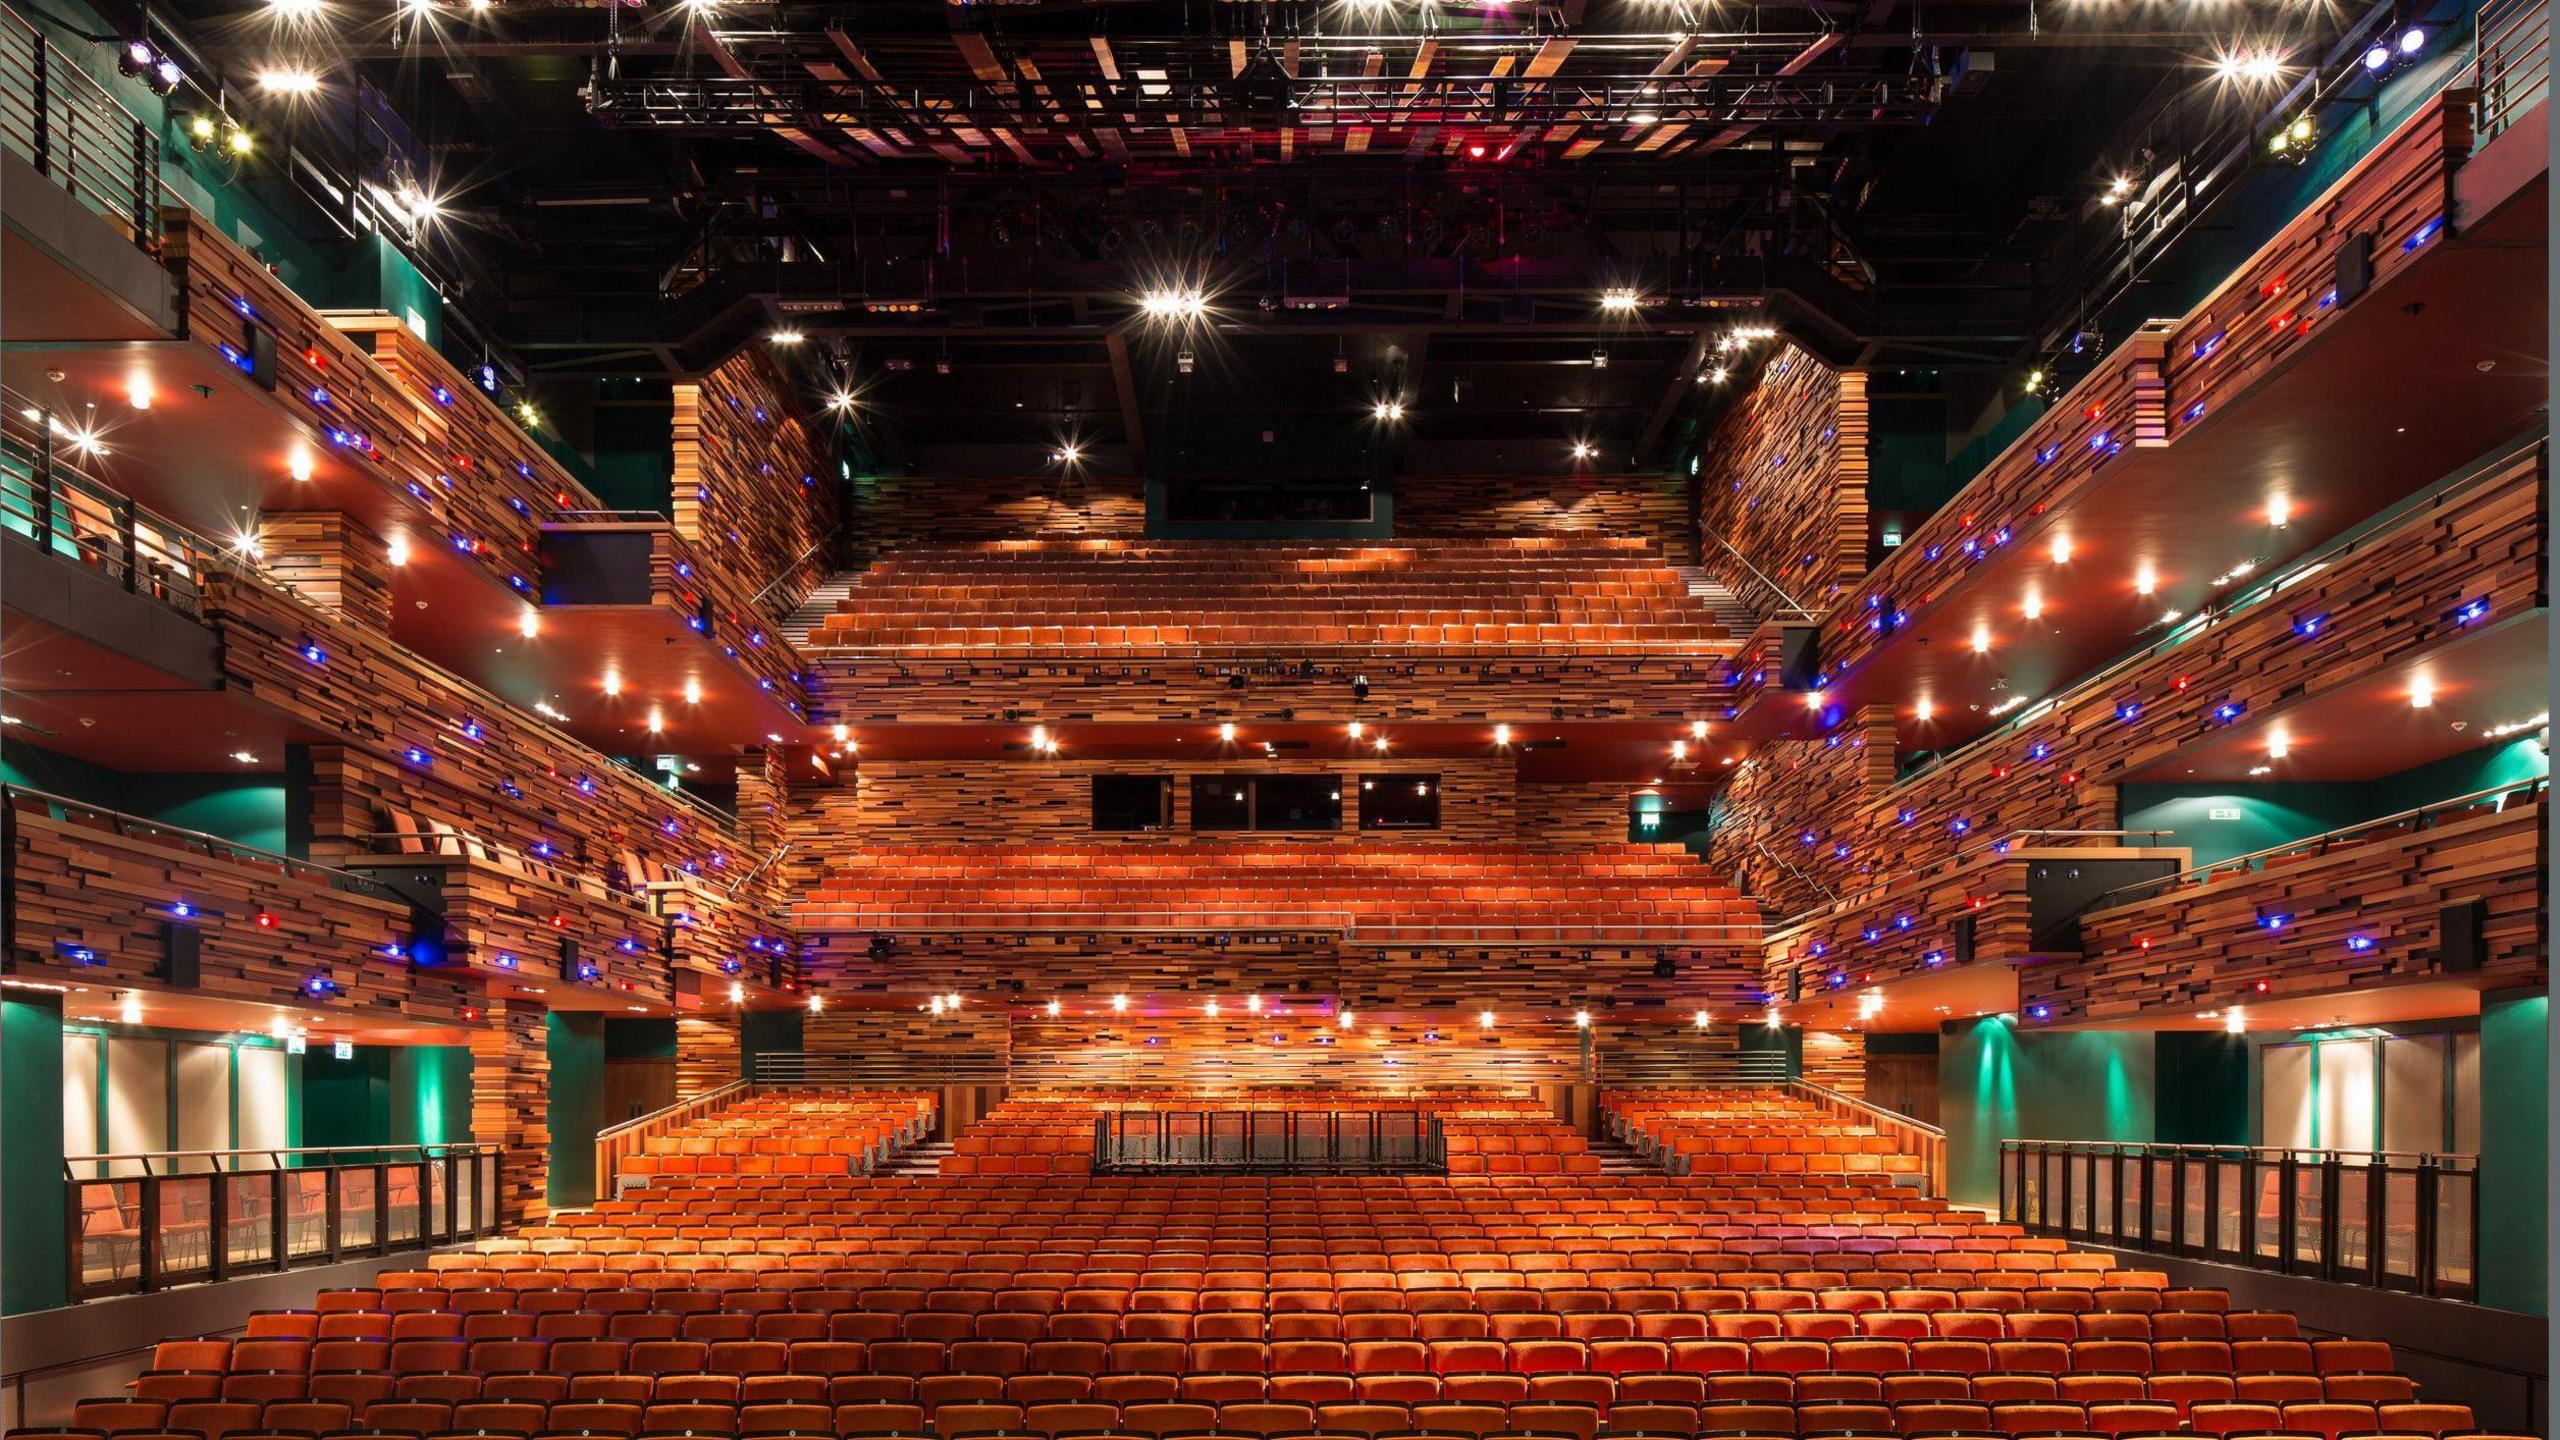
(795, 1132)
(1524, 893)
(1164, 1307)
(1737, 1132)
(1118, 595)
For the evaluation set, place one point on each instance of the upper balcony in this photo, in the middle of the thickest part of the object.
(184, 374)
(2389, 335)
(2406, 916)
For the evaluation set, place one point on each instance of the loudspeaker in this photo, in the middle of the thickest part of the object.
(568, 959)
(183, 952)
(1799, 656)
(1963, 946)
(2353, 270)
(1795, 986)
(2460, 945)
(262, 356)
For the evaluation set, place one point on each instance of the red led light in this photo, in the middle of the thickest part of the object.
(2142, 944)
(266, 921)
(2258, 987)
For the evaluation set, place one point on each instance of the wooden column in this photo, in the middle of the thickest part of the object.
(510, 1072)
(331, 559)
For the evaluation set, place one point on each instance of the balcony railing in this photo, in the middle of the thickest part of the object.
(1254, 925)
(147, 1221)
(2423, 817)
(48, 500)
(2510, 63)
(57, 119)
(2391, 1220)
(19, 799)
(1269, 1142)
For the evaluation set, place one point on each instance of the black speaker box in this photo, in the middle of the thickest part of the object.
(1799, 656)
(2353, 272)
(182, 964)
(1964, 938)
(2460, 945)
(262, 356)
(568, 959)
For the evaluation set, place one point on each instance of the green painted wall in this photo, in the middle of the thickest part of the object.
(430, 1095)
(576, 1042)
(765, 1031)
(2203, 1094)
(632, 441)
(1996, 1082)
(640, 1040)
(2279, 814)
(2515, 1150)
(34, 1220)
(376, 276)
(247, 808)
(347, 1102)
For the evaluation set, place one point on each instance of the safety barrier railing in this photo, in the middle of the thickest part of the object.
(46, 499)
(148, 1220)
(66, 125)
(2510, 64)
(1917, 1138)
(883, 1070)
(618, 1143)
(20, 800)
(1270, 1142)
(2423, 817)
(2007, 842)
(2387, 1219)
(1704, 1069)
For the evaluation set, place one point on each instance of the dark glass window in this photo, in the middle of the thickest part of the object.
(1297, 802)
(1132, 802)
(1221, 802)
(1399, 802)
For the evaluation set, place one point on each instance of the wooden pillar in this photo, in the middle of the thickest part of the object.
(510, 1078)
(331, 559)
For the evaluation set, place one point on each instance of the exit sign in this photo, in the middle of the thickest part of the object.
(2222, 812)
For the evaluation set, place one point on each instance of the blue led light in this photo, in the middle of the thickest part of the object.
(1959, 825)
(2422, 234)
(1906, 816)
(315, 654)
(2472, 611)
(2039, 750)
(2359, 943)
(506, 961)
(2307, 626)
(2230, 710)
(417, 756)
(1934, 959)
(587, 970)
(2128, 710)
(2274, 922)
(2039, 1012)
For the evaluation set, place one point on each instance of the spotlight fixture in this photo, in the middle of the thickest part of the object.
(1581, 1019)
(1388, 410)
(2255, 67)
(1599, 357)
(1582, 450)
(1185, 360)
(785, 336)
(141, 60)
(1620, 301)
(1163, 304)
(288, 80)
(841, 401)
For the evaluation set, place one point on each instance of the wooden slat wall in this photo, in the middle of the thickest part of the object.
(1297, 1045)
(895, 802)
(1572, 817)
(716, 598)
(1836, 1060)
(332, 559)
(1783, 479)
(707, 1052)
(510, 1103)
(755, 483)
(889, 511)
(1459, 979)
(1481, 690)
(79, 885)
(1653, 508)
(2393, 598)
(1912, 918)
(2172, 367)
(1790, 789)
(975, 1038)
(2208, 946)
(495, 910)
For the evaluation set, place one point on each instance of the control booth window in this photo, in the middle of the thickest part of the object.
(1132, 802)
(1399, 802)
(1266, 802)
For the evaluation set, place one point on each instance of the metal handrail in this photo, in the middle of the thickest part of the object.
(136, 827)
(63, 510)
(1207, 1141)
(66, 125)
(454, 845)
(691, 1102)
(2243, 864)
(2000, 844)
(2396, 1220)
(756, 601)
(1797, 607)
(606, 517)
(1926, 1142)
(2212, 613)
(1805, 877)
(169, 1225)
(1868, 1108)
(2510, 38)
(924, 653)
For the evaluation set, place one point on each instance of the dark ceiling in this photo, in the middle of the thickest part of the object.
(957, 203)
